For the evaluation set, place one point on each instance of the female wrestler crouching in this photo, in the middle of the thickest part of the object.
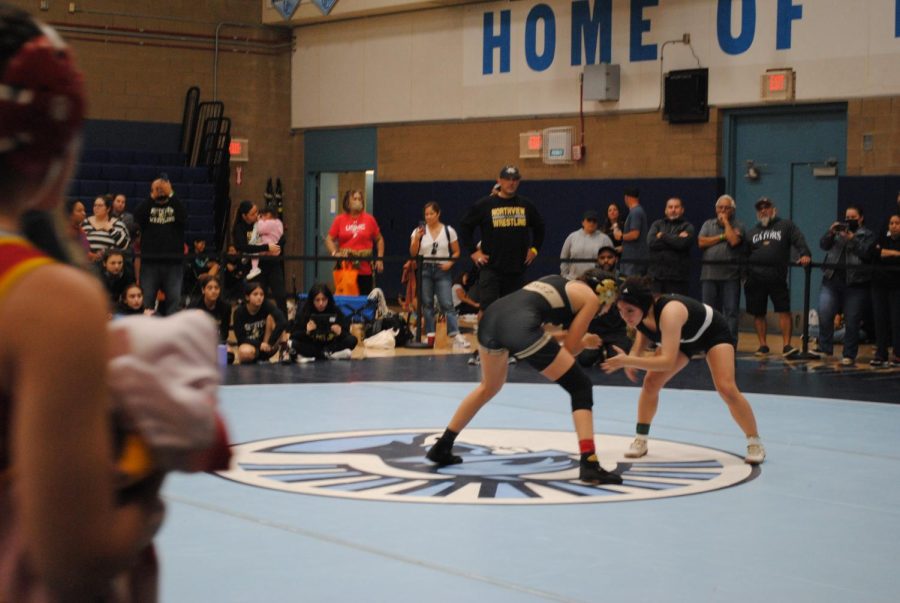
(514, 325)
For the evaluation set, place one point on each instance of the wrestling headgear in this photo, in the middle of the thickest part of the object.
(42, 100)
(603, 283)
(636, 293)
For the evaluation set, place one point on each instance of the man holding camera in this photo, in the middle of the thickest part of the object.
(772, 242)
(844, 284)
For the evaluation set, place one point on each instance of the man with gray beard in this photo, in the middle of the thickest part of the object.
(772, 243)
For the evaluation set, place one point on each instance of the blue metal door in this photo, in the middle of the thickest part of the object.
(786, 153)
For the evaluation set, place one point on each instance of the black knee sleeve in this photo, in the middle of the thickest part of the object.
(579, 386)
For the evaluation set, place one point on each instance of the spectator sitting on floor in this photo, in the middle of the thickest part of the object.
(465, 293)
(609, 326)
(117, 274)
(321, 330)
(258, 325)
(210, 301)
(132, 302)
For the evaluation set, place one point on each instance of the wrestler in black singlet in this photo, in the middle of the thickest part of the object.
(704, 328)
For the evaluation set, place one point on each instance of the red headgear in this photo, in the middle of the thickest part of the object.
(42, 104)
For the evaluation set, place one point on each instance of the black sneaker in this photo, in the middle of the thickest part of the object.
(789, 351)
(590, 471)
(442, 455)
(762, 351)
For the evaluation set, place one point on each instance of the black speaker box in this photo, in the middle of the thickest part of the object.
(686, 96)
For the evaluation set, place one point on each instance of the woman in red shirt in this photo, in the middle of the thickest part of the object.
(353, 234)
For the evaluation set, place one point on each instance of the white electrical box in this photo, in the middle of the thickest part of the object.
(601, 82)
(531, 144)
(558, 144)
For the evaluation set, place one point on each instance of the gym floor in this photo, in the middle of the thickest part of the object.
(330, 499)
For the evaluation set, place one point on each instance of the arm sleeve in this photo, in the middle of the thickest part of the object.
(681, 243)
(239, 237)
(240, 320)
(653, 242)
(120, 234)
(467, 228)
(537, 227)
(564, 267)
(798, 242)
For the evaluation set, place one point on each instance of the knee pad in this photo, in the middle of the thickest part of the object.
(579, 386)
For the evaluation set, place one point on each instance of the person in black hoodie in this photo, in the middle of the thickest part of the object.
(320, 329)
(771, 244)
(886, 294)
(243, 237)
(162, 219)
(210, 301)
(512, 232)
(258, 325)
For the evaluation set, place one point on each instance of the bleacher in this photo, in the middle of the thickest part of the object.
(130, 172)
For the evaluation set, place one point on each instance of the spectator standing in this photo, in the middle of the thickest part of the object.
(670, 240)
(512, 232)
(103, 230)
(433, 239)
(353, 234)
(162, 219)
(583, 243)
(771, 244)
(76, 214)
(844, 287)
(269, 230)
(614, 226)
(245, 237)
(634, 237)
(120, 212)
(721, 240)
(886, 294)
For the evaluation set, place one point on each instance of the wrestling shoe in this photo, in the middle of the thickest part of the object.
(442, 455)
(637, 449)
(756, 454)
(590, 471)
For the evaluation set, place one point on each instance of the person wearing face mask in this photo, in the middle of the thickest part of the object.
(720, 240)
(353, 234)
(844, 284)
(162, 219)
(771, 243)
(886, 294)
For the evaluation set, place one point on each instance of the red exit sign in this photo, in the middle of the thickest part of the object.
(239, 149)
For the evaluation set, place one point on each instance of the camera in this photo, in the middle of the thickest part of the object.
(840, 227)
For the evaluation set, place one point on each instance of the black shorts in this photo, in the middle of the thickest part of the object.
(493, 284)
(757, 292)
(510, 326)
(716, 333)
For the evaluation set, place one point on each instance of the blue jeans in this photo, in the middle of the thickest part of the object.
(435, 280)
(724, 296)
(833, 297)
(168, 278)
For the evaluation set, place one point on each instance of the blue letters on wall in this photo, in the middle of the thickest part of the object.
(540, 62)
(641, 52)
(741, 43)
(787, 12)
(492, 41)
(588, 26)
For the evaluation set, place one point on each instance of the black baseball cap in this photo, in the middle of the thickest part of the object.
(510, 172)
(763, 202)
(591, 215)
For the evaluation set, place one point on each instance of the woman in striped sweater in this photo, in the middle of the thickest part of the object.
(103, 231)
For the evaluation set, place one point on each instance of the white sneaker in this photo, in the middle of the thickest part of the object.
(637, 449)
(461, 342)
(341, 355)
(305, 359)
(254, 272)
(756, 454)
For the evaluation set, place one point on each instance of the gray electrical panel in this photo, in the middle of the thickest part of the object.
(601, 82)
